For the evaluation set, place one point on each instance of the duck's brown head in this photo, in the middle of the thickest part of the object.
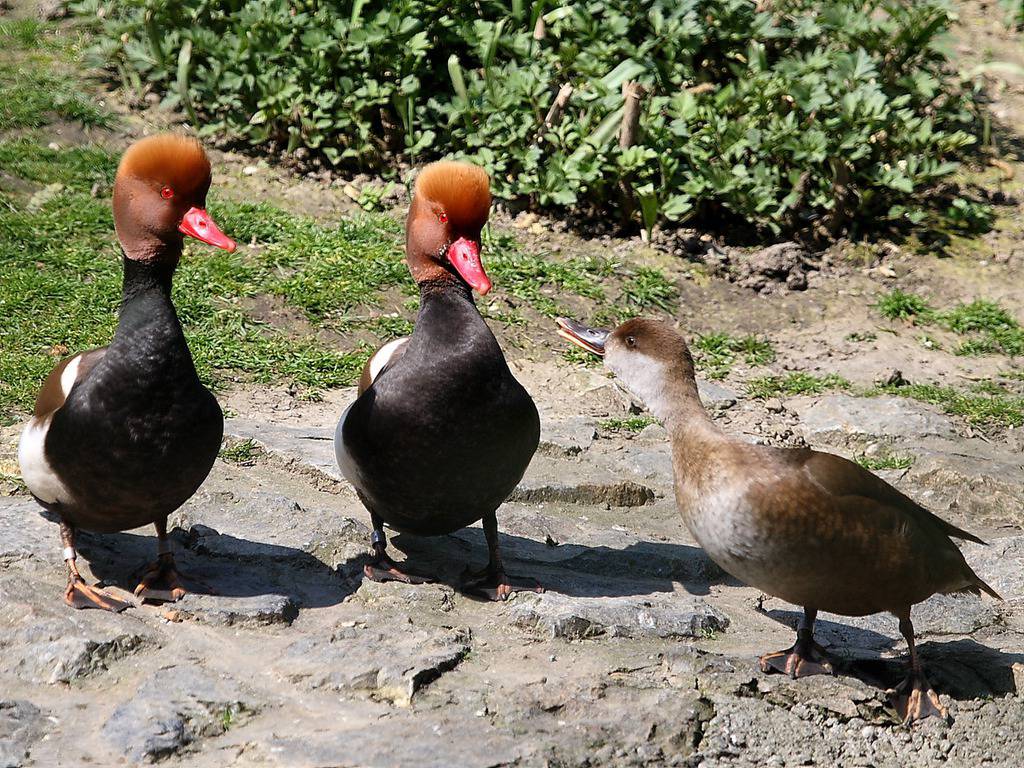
(450, 206)
(648, 357)
(160, 195)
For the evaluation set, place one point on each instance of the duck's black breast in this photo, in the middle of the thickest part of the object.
(137, 437)
(442, 438)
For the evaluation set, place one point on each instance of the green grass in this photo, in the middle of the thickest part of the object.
(899, 305)
(890, 461)
(61, 262)
(983, 409)
(627, 424)
(242, 452)
(61, 284)
(579, 356)
(649, 289)
(541, 280)
(34, 86)
(990, 329)
(993, 329)
(716, 353)
(797, 383)
(74, 167)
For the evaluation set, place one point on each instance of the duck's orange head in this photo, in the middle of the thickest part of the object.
(450, 205)
(160, 195)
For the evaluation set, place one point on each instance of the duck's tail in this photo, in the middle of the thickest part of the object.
(978, 586)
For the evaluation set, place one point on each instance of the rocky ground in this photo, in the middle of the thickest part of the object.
(641, 652)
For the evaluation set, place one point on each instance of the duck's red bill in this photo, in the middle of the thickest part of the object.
(197, 223)
(464, 255)
(590, 339)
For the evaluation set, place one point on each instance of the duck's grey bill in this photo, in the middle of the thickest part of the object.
(591, 339)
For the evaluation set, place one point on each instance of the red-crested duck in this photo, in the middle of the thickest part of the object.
(808, 527)
(441, 431)
(124, 434)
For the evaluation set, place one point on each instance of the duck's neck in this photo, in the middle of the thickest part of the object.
(670, 393)
(147, 322)
(682, 412)
(445, 286)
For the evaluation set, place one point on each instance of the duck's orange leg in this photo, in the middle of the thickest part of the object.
(804, 658)
(78, 594)
(161, 582)
(914, 699)
(493, 582)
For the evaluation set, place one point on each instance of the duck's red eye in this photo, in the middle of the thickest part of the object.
(166, 193)
(442, 217)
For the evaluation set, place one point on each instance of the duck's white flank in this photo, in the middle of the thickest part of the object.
(380, 359)
(36, 471)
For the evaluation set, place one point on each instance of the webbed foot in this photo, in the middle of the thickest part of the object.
(161, 582)
(80, 595)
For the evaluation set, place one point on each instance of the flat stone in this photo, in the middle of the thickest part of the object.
(269, 527)
(652, 463)
(255, 611)
(450, 736)
(305, 448)
(25, 534)
(654, 433)
(970, 481)
(716, 396)
(68, 648)
(172, 709)
(392, 665)
(574, 618)
(845, 420)
(569, 437)
(618, 494)
(1001, 566)
(21, 726)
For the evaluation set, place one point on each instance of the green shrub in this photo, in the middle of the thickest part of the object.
(774, 114)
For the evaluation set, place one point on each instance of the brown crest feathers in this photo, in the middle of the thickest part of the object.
(167, 159)
(462, 190)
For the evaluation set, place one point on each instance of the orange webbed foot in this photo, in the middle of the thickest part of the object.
(161, 582)
(382, 568)
(802, 660)
(496, 585)
(914, 699)
(80, 596)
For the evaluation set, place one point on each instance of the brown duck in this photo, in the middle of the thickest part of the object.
(808, 527)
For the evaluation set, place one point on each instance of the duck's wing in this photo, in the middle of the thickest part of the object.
(842, 477)
(381, 360)
(857, 491)
(36, 471)
(62, 380)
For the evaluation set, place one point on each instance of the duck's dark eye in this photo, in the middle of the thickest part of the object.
(631, 341)
(166, 193)
(442, 217)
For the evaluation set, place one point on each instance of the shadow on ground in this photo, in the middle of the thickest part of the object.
(964, 669)
(642, 568)
(234, 567)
